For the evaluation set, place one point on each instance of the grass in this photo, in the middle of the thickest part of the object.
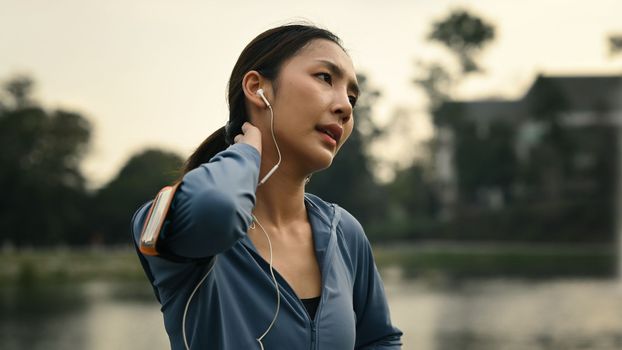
(453, 260)
(31, 266)
(460, 260)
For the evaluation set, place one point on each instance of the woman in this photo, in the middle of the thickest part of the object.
(246, 259)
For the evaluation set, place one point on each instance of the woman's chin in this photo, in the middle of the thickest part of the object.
(311, 159)
(320, 161)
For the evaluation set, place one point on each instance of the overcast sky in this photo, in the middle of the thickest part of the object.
(154, 73)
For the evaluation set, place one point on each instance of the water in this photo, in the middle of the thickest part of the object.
(470, 315)
(510, 314)
(94, 316)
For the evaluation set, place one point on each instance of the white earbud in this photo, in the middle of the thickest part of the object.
(265, 100)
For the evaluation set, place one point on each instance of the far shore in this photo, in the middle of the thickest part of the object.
(453, 260)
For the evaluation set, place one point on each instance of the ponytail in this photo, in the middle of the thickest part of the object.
(209, 148)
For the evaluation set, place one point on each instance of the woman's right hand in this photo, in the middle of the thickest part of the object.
(250, 135)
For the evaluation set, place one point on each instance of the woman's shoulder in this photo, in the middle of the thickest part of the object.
(352, 243)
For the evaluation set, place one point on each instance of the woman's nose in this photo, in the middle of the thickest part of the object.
(343, 108)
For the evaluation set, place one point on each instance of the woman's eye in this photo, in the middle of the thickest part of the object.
(352, 100)
(326, 77)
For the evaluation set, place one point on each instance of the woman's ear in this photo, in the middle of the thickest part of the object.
(252, 82)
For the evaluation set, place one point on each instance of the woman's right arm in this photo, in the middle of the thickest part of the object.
(213, 204)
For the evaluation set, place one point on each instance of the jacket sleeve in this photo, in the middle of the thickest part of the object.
(374, 329)
(212, 207)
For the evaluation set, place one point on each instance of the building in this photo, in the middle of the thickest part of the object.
(559, 143)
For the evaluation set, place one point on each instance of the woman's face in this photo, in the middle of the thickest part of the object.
(316, 92)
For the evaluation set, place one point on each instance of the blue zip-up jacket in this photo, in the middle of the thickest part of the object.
(209, 217)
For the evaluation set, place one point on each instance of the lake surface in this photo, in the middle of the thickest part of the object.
(434, 315)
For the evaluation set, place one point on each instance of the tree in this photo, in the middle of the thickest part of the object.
(436, 82)
(138, 181)
(43, 188)
(20, 90)
(615, 44)
(465, 35)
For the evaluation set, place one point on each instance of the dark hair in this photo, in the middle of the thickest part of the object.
(265, 54)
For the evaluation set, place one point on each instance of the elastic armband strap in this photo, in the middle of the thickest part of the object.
(155, 220)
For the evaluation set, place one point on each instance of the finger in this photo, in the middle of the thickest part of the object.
(237, 137)
(245, 127)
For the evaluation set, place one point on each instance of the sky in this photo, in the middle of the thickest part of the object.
(150, 73)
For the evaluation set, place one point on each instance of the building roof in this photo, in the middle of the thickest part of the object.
(559, 93)
(580, 93)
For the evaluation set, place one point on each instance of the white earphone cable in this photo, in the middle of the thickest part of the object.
(183, 321)
(278, 150)
(276, 286)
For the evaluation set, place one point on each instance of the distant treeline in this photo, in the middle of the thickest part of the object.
(44, 196)
(45, 201)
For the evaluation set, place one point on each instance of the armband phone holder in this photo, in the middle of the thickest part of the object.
(155, 220)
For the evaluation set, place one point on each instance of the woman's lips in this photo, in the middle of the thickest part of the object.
(331, 131)
(328, 138)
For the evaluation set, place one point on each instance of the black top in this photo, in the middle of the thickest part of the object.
(311, 305)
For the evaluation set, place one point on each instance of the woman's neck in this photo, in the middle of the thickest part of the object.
(280, 200)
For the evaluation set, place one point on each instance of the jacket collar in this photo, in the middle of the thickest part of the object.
(323, 218)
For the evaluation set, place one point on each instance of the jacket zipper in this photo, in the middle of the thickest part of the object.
(285, 287)
(312, 335)
(314, 322)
